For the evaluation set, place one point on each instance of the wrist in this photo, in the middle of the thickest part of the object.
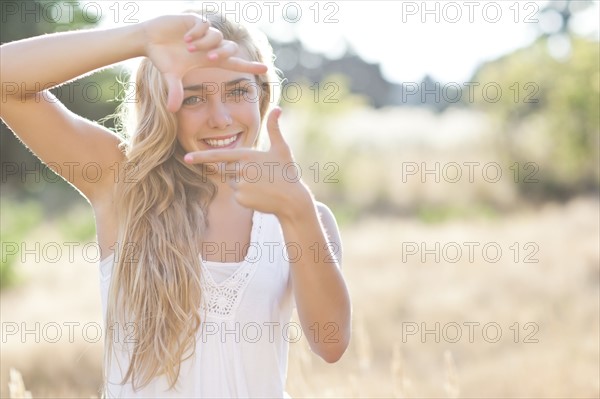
(115, 44)
(297, 202)
(135, 36)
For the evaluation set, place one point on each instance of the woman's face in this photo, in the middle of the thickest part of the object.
(220, 110)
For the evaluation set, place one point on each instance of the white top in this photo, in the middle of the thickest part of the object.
(242, 344)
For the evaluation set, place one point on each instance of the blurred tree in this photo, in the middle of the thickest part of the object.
(549, 115)
(565, 10)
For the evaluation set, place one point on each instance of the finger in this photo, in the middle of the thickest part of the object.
(226, 49)
(217, 156)
(199, 29)
(241, 198)
(232, 181)
(209, 41)
(275, 135)
(242, 65)
(175, 92)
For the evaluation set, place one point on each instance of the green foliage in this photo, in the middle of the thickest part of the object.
(18, 220)
(549, 110)
(440, 214)
(78, 225)
(43, 16)
(345, 214)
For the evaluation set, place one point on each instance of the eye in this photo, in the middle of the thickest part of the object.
(237, 93)
(193, 100)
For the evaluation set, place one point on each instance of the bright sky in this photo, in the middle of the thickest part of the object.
(445, 39)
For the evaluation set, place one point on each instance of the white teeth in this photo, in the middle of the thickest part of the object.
(220, 143)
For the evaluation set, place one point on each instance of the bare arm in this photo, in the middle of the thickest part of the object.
(322, 298)
(55, 134)
(60, 57)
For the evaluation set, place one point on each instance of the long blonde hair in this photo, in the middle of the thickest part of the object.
(162, 202)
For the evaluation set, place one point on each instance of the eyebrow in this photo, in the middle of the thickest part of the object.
(201, 86)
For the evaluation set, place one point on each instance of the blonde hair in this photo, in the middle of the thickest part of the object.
(162, 204)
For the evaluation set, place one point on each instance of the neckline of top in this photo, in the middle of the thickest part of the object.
(255, 229)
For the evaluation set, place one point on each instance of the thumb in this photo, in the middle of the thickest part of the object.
(275, 135)
(175, 92)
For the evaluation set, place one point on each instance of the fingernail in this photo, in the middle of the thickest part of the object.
(191, 47)
(213, 56)
(187, 38)
(188, 158)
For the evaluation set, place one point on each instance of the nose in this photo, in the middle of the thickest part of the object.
(219, 116)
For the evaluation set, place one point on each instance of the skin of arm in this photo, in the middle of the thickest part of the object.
(48, 128)
(322, 298)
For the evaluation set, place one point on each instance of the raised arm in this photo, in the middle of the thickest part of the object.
(55, 134)
(175, 44)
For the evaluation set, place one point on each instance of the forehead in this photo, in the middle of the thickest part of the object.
(213, 76)
(217, 76)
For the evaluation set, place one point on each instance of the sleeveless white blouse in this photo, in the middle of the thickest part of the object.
(242, 344)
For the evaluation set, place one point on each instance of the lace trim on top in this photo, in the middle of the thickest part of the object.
(220, 300)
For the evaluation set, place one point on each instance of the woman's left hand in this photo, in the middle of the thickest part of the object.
(267, 181)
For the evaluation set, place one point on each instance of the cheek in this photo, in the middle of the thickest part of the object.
(255, 111)
(256, 123)
(256, 118)
(185, 132)
(184, 125)
(248, 114)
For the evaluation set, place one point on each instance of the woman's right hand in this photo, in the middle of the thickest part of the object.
(178, 43)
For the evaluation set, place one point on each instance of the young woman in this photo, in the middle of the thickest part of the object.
(208, 242)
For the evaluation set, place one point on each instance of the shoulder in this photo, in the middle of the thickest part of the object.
(332, 231)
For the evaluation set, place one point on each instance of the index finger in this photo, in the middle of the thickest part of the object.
(210, 156)
(241, 65)
(175, 92)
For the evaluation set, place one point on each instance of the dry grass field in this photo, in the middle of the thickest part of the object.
(520, 323)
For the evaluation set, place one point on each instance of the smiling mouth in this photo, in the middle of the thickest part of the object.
(222, 142)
